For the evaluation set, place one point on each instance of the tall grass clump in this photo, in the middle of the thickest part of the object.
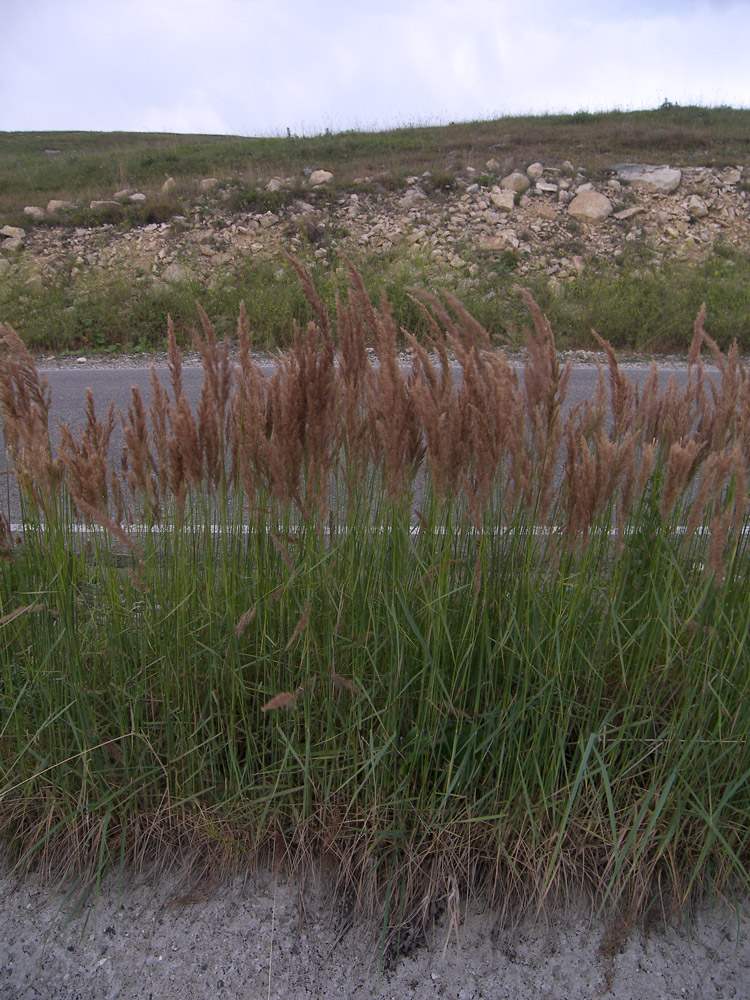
(426, 628)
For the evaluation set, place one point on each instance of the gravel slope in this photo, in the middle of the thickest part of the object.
(265, 937)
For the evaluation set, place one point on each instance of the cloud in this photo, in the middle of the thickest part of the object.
(248, 67)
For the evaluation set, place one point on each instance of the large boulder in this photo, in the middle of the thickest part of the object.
(661, 180)
(320, 177)
(590, 206)
(516, 181)
(535, 171)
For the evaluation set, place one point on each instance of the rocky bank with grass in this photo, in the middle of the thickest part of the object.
(548, 220)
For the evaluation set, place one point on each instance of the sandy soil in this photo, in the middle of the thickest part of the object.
(264, 937)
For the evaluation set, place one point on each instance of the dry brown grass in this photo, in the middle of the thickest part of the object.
(330, 412)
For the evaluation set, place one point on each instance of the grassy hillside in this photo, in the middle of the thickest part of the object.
(637, 302)
(92, 162)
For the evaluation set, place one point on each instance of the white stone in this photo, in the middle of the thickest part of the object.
(546, 187)
(492, 164)
(504, 200)
(96, 205)
(121, 195)
(209, 183)
(34, 212)
(13, 232)
(731, 176)
(320, 177)
(697, 207)
(274, 184)
(628, 213)
(659, 179)
(14, 243)
(169, 184)
(412, 196)
(138, 196)
(505, 240)
(590, 206)
(516, 182)
(535, 171)
(54, 205)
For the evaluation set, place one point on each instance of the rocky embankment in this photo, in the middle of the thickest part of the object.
(550, 219)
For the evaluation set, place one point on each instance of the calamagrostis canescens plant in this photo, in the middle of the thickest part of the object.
(451, 633)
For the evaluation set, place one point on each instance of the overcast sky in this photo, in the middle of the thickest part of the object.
(245, 67)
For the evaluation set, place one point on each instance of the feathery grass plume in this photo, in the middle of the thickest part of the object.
(681, 467)
(307, 420)
(720, 428)
(720, 524)
(248, 424)
(244, 621)
(621, 389)
(159, 414)
(740, 495)
(21, 609)
(462, 423)
(25, 401)
(350, 371)
(396, 436)
(210, 434)
(715, 472)
(285, 699)
(184, 447)
(301, 625)
(696, 343)
(308, 289)
(648, 456)
(545, 387)
(215, 396)
(627, 490)
(743, 417)
(439, 412)
(397, 432)
(646, 405)
(86, 462)
(137, 462)
(217, 367)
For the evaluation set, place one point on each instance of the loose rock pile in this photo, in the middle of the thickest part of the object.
(552, 219)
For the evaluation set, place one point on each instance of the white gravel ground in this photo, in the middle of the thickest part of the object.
(263, 937)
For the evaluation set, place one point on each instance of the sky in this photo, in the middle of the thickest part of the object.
(243, 67)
